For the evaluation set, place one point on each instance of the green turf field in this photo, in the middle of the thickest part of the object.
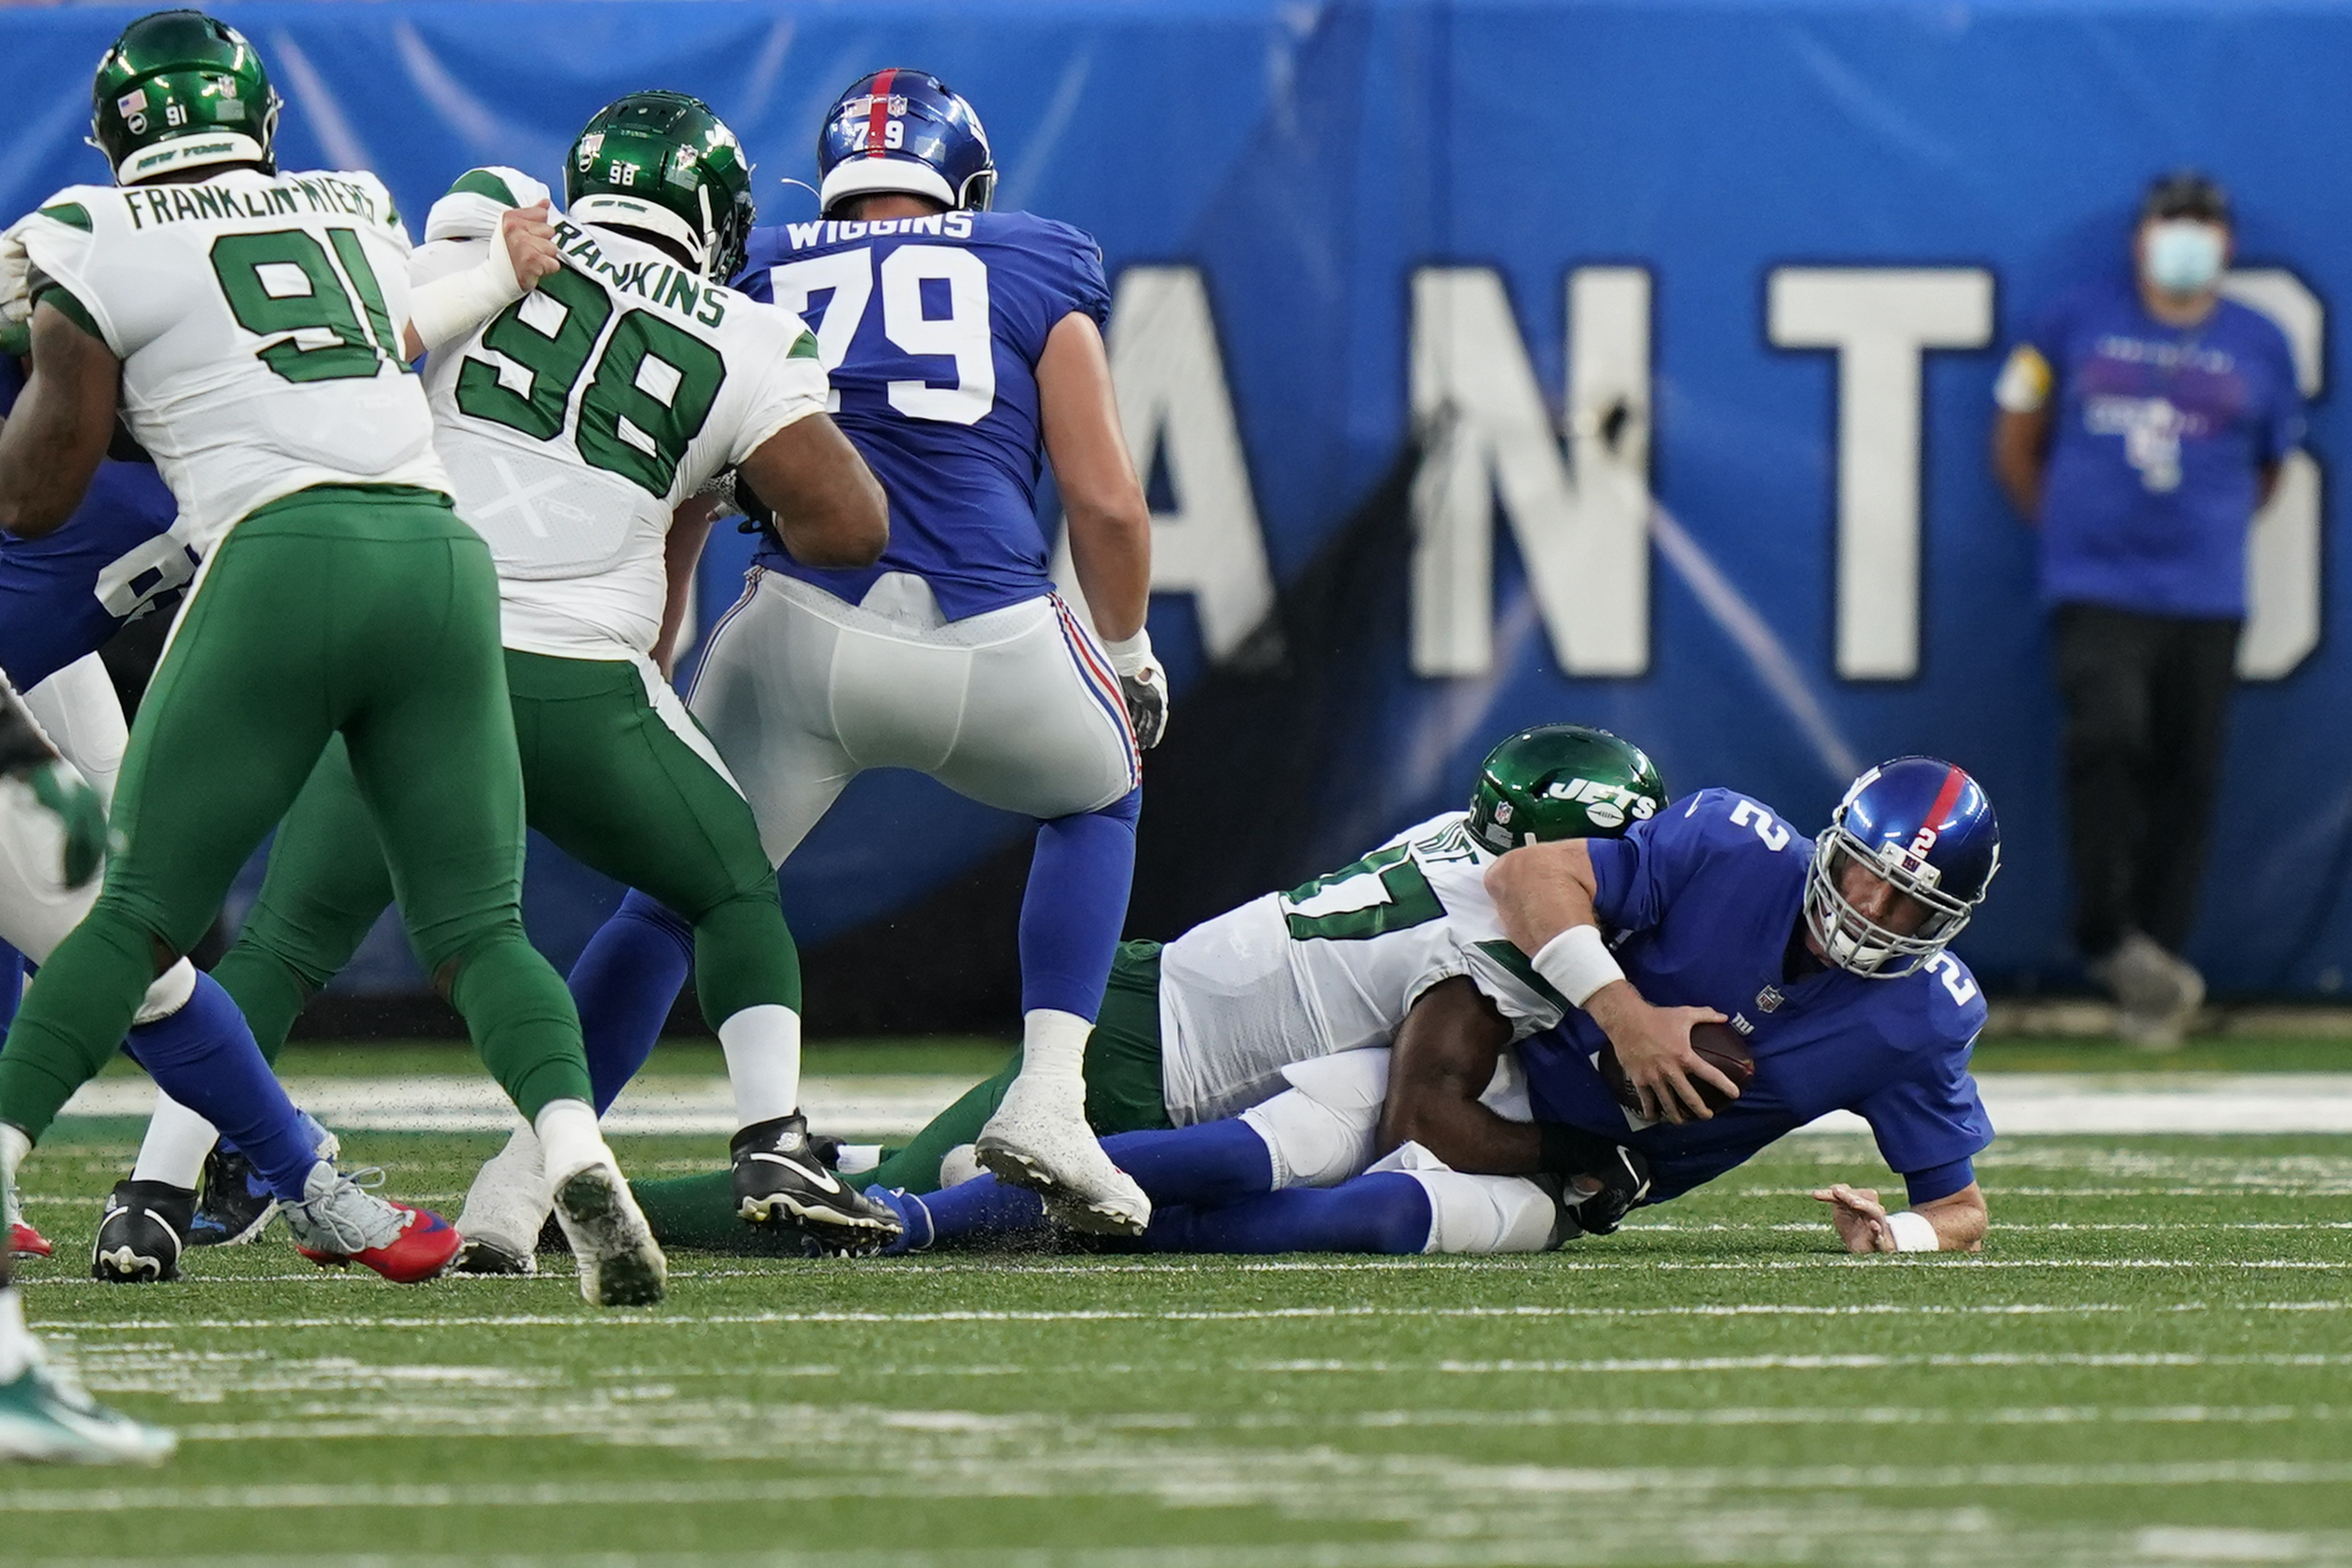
(2150, 1363)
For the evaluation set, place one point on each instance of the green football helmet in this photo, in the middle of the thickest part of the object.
(180, 90)
(1562, 781)
(662, 162)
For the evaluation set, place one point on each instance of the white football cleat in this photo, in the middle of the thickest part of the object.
(505, 1209)
(45, 1416)
(621, 1264)
(1039, 1139)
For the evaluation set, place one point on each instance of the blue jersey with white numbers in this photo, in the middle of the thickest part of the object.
(1702, 899)
(931, 330)
(66, 594)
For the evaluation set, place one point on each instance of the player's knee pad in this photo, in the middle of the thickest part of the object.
(80, 710)
(1488, 1214)
(1319, 1131)
(169, 994)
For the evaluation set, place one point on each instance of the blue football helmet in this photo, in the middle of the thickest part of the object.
(904, 131)
(1923, 826)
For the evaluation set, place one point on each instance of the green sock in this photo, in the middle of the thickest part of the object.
(523, 1022)
(916, 1167)
(699, 1210)
(267, 990)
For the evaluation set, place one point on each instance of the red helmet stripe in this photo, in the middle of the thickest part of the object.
(877, 113)
(1946, 799)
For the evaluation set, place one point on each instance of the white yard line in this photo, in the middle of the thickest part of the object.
(880, 1105)
(81, 1326)
(892, 1106)
(1523, 1481)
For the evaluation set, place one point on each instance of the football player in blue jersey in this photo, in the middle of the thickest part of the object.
(1833, 966)
(64, 595)
(965, 351)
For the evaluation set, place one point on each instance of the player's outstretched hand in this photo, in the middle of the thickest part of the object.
(1860, 1218)
(1653, 1045)
(530, 244)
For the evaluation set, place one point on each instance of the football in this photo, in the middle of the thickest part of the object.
(1719, 1045)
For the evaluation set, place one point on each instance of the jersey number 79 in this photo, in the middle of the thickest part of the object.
(962, 334)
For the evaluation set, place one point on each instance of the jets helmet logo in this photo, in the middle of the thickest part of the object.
(1606, 805)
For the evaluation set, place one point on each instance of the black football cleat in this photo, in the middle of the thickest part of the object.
(1624, 1182)
(234, 1205)
(780, 1180)
(143, 1233)
(481, 1255)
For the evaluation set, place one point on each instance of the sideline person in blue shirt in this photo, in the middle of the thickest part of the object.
(2143, 424)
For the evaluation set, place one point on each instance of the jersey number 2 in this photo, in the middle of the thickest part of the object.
(962, 334)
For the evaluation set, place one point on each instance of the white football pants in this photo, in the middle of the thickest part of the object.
(1320, 1132)
(802, 691)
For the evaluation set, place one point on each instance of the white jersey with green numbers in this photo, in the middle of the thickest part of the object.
(1334, 966)
(258, 320)
(575, 420)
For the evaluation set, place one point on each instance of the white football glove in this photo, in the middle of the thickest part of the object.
(16, 305)
(1145, 685)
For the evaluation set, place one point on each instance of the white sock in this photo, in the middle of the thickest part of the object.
(17, 1349)
(1053, 1045)
(763, 1062)
(568, 1133)
(176, 1143)
(14, 1147)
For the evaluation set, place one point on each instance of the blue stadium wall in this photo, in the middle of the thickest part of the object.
(1422, 303)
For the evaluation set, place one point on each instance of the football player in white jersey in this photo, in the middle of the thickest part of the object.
(255, 330)
(572, 425)
(52, 841)
(1263, 1034)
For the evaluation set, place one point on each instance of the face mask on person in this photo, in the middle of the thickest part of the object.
(2183, 256)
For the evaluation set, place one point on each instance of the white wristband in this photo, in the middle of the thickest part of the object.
(1913, 1232)
(452, 307)
(1578, 963)
(1130, 654)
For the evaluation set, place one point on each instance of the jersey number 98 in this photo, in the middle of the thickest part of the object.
(652, 392)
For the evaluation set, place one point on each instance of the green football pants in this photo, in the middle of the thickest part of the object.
(1122, 1095)
(618, 783)
(371, 613)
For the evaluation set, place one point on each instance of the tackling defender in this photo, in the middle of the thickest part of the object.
(965, 349)
(256, 329)
(1261, 1035)
(1832, 964)
(577, 517)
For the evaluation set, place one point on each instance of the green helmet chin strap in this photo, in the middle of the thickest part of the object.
(1562, 781)
(664, 163)
(179, 89)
